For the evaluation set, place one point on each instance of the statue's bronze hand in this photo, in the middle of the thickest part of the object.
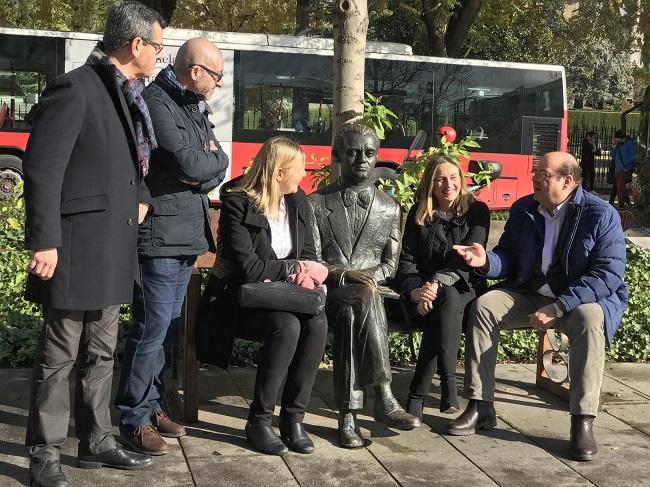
(360, 277)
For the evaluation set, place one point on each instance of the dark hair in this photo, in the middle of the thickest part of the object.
(353, 128)
(127, 20)
(591, 133)
(619, 134)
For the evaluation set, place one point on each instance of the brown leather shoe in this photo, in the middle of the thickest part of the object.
(144, 439)
(478, 415)
(166, 427)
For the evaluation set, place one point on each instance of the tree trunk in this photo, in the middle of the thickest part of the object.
(448, 28)
(435, 18)
(163, 7)
(302, 17)
(459, 24)
(350, 29)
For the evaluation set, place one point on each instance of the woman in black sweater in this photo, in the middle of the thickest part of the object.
(436, 283)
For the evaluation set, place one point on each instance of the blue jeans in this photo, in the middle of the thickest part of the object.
(157, 307)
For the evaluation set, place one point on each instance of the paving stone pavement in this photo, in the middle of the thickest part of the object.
(528, 447)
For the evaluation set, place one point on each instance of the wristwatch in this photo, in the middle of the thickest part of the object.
(436, 281)
(559, 312)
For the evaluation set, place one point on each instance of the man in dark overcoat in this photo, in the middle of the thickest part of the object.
(84, 169)
(357, 233)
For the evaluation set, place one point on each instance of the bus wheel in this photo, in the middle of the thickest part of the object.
(11, 174)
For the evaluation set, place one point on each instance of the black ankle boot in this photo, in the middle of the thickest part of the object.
(264, 439)
(582, 444)
(46, 473)
(478, 415)
(295, 437)
(448, 395)
(414, 406)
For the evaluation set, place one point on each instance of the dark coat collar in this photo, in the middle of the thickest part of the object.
(174, 90)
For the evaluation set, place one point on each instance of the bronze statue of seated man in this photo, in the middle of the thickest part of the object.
(357, 234)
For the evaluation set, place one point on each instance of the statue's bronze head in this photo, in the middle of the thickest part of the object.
(355, 148)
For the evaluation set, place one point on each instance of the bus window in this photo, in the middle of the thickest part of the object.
(27, 63)
(484, 102)
(543, 94)
(272, 96)
(405, 88)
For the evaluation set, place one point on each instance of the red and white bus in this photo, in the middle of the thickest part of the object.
(283, 85)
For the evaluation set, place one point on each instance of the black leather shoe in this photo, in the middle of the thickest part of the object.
(295, 437)
(583, 445)
(118, 457)
(264, 439)
(46, 473)
(415, 406)
(478, 415)
(393, 416)
(349, 434)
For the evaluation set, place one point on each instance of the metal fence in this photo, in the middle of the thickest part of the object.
(604, 136)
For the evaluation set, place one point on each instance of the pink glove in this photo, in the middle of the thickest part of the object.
(317, 271)
(303, 280)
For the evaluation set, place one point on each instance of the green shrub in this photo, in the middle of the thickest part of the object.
(632, 340)
(19, 319)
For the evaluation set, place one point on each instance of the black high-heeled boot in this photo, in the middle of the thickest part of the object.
(414, 406)
(448, 394)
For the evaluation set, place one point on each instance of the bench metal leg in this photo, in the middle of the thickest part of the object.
(190, 363)
(553, 378)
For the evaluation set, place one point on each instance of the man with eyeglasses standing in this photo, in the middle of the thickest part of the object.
(562, 258)
(84, 167)
(187, 164)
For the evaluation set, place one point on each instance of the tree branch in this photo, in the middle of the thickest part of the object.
(459, 24)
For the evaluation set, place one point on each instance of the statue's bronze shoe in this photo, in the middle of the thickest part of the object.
(395, 417)
(349, 435)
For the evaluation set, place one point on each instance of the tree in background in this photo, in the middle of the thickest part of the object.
(512, 31)
(165, 8)
(599, 75)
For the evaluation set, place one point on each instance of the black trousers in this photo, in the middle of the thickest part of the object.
(89, 338)
(293, 348)
(441, 332)
(588, 176)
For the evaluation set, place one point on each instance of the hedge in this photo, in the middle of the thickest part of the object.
(20, 320)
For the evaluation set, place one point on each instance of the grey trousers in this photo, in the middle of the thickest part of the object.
(508, 310)
(88, 337)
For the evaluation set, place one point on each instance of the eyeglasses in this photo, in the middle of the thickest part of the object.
(543, 174)
(216, 76)
(155, 45)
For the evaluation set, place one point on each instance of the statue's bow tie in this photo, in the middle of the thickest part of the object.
(362, 198)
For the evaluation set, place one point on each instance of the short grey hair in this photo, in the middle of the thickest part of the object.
(352, 128)
(571, 168)
(127, 20)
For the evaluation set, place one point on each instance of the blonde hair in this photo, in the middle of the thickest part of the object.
(260, 183)
(427, 204)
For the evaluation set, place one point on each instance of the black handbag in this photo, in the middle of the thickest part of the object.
(281, 296)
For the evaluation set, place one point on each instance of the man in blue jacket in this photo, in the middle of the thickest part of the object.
(623, 161)
(562, 256)
(187, 164)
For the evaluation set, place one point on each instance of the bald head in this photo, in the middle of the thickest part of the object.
(564, 164)
(197, 50)
(555, 178)
(199, 66)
